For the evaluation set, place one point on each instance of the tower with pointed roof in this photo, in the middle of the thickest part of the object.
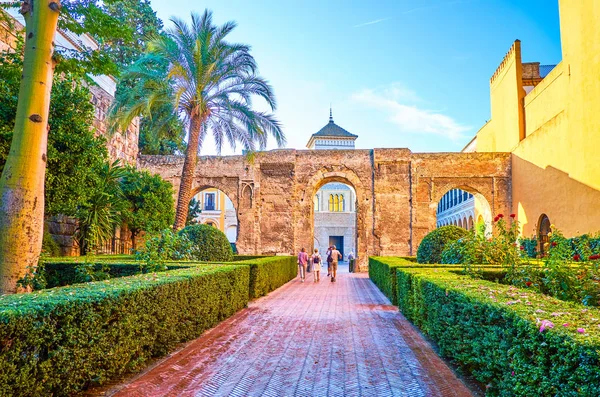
(332, 136)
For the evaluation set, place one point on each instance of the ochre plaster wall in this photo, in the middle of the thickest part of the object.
(555, 169)
(396, 192)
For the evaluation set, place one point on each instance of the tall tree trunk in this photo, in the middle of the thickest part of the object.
(22, 182)
(187, 174)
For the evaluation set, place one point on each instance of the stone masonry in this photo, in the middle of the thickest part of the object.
(397, 192)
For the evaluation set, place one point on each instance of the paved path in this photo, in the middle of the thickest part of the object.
(306, 339)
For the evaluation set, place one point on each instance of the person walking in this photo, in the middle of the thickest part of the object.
(335, 257)
(316, 263)
(302, 262)
(329, 259)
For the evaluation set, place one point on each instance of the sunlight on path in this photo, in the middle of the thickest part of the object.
(306, 339)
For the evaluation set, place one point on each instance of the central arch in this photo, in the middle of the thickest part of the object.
(347, 177)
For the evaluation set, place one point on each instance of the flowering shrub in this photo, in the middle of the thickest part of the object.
(529, 246)
(475, 249)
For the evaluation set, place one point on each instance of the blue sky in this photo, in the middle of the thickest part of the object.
(398, 73)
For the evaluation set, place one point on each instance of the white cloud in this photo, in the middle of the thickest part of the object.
(399, 105)
(360, 25)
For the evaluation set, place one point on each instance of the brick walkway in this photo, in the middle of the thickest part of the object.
(306, 339)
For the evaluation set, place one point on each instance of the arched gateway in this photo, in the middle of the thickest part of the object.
(397, 192)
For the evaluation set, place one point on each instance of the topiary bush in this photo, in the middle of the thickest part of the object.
(431, 247)
(209, 244)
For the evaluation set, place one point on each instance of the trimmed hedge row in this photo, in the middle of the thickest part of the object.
(268, 274)
(382, 271)
(62, 340)
(495, 332)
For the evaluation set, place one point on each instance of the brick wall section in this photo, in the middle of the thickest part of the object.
(397, 192)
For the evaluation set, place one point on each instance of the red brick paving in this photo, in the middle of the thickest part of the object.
(306, 339)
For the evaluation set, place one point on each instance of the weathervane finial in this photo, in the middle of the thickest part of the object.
(330, 114)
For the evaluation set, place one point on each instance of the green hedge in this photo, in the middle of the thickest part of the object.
(492, 331)
(209, 243)
(268, 274)
(62, 340)
(382, 271)
(433, 244)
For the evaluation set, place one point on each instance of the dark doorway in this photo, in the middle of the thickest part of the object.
(543, 230)
(338, 241)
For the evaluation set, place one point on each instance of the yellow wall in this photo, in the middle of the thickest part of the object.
(556, 167)
(219, 206)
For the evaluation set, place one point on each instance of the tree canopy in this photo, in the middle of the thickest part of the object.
(74, 154)
(149, 201)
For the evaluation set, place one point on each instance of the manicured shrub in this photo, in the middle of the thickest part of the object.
(60, 341)
(431, 247)
(269, 273)
(209, 243)
(382, 271)
(516, 341)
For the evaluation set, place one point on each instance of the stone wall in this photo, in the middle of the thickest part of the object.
(397, 192)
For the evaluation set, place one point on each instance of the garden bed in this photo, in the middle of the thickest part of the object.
(516, 341)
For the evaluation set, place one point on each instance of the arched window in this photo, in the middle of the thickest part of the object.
(342, 209)
(331, 203)
(336, 203)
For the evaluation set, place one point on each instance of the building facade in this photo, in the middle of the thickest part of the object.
(548, 118)
(463, 209)
(217, 210)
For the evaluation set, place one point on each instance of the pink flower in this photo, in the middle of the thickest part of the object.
(565, 324)
(581, 330)
(513, 373)
(546, 325)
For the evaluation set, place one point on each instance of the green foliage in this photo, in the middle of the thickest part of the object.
(35, 278)
(433, 244)
(65, 339)
(494, 332)
(164, 247)
(221, 80)
(102, 212)
(209, 243)
(49, 246)
(149, 201)
(75, 156)
(194, 211)
(382, 271)
(269, 273)
(529, 246)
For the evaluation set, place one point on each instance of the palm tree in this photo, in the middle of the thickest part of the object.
(210, 84)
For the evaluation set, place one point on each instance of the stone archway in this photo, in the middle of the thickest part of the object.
(347, 177)
(397, 192)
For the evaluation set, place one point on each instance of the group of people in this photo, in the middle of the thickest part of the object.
(314, 262)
